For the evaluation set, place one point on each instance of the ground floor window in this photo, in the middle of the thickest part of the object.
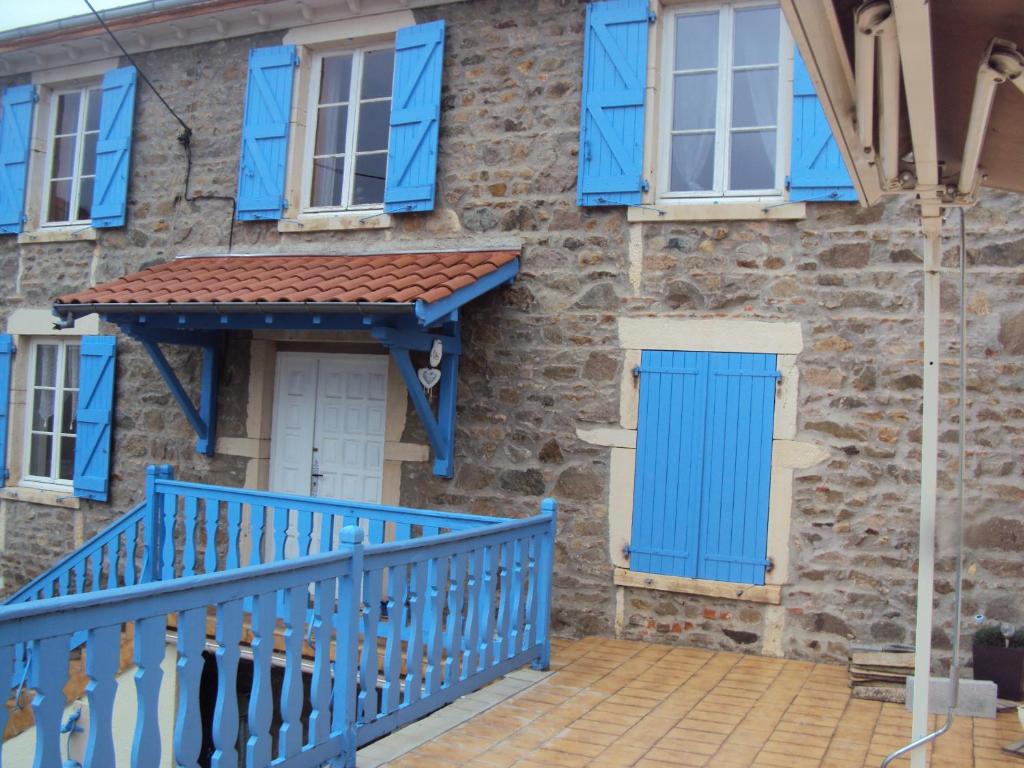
(703, 465)
(52, 408)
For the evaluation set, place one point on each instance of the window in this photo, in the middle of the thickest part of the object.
(725, 112)
(52, 404)
(347, 144)
(71, 156)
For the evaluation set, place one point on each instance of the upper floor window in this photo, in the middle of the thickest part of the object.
(71, 156)
(52, 407)
(726, 100)
(347, 145)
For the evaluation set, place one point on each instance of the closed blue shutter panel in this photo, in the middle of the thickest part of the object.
(612, 112)
(817, 171)
(114, 148)
(737, 467)
(669, 457)
(268, 103)
(94, 417)
(15, 133)
(6, 353)
(415, 119)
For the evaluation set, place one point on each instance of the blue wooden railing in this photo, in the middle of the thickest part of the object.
(435, 606)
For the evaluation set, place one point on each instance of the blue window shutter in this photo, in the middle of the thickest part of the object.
(612, 112)
(816, 170)
(114, 148)
(15, 134)
(268, 103)
(669, 460)
(737, 467)
(415, 119)
(94, 417)
(6, 353)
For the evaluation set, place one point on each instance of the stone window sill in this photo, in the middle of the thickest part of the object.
(770, 594)
(346, 220)
(46, 498)
(724, 211)
(57, 235)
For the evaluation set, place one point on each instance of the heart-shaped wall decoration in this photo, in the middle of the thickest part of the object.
(429, 377)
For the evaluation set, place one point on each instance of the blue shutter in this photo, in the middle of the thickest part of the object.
(268, 103)
(737, 467)
(6, 353)
(114, 148)
(817, 171)
(94, 417)
(612, 113)
(669, 457)
(415, 119)
(15, 134)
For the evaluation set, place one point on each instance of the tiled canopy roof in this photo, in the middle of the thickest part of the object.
(394, 278)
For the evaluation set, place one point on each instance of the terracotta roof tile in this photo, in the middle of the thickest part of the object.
(401, 278)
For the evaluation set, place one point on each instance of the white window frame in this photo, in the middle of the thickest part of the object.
(351, 129)
(51, 138)
(52, 481)
(724, 107)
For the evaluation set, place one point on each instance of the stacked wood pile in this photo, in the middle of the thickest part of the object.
(880, 673)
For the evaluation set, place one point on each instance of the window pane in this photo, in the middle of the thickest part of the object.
(85, 198)
(331, 128)
(328, 174)
(40, 455)
(694, 101)
(378, 71)
(369, 184)
(89, 154)
(67, 112)
(755, 97)
(63, 165)
(92, 121)
(46, 365)
(68, 409)
(60, 201)
(756, 38)
(693, 162)
(71, 358)
(752, 164)
(66, 471)
(697, 41)
(336, 79)
(373, 126)
(42, 410)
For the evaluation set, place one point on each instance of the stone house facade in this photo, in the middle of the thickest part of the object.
(548, 403)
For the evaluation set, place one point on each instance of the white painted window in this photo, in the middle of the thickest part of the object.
(346, 156)
(724, 113)
(52, 402)
(70, 167)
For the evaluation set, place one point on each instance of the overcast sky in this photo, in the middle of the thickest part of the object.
(22, 13)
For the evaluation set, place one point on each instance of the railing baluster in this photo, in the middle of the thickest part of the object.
(403, 531)
(258, 517)
(320, 684)
(419, 591)
(294, 614)
(234, 529)
(225, 713)
(305, 529)
(102, 659)
(62, 583)
(149, 653)
(188, 726)
(80, 577)
(376, 531)
(170, 502)
(530, 628)
(48, 672)
(211, 516)
(368, 665)
(487, 597)
(471, 639)
(518, 604)
(437, 586)
(113, 559)
(453, 632)
(348, 613)
(188, 554)
(390, 694)
(258, 749)
(280, 533)
(131, 543)
(430, 530)
(501, 641)
(327, 532)
(96, 564)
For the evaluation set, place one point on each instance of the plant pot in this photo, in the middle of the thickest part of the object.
(1003, 666)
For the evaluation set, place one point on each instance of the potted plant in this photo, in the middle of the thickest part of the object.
(999, 657)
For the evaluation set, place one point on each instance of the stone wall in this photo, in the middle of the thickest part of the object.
(542, 359)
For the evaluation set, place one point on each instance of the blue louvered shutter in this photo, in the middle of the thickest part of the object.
(817, 171)
(415, 119)
(6, 354)
(94, 417)
(15, 135)
(612, 111)
(737, 467)
(268, 103)
(669, 457)
(114, 148)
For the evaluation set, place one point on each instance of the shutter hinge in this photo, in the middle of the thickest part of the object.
(644, 185)
(636, 371)
(625, 551)
(770, 566)
(651, 17)
(789, 183)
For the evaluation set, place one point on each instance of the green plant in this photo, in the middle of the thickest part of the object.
(992, 635)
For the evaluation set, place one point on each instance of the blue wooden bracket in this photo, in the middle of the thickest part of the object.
(439, 311)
